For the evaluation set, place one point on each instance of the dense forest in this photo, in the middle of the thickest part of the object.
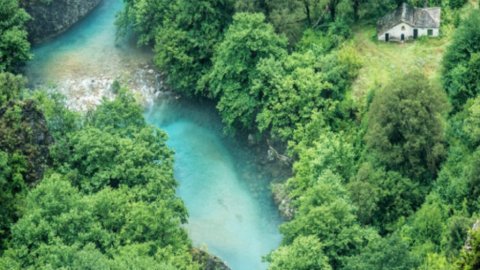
(383, 180)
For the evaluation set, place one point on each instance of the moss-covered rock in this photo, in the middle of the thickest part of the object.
(208, 261)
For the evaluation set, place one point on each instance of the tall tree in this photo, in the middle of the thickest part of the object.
(326, 212)
(461, 63)
(144, 17)
(185, 43)
(406, 127)
(24, 148)
(305, 253)
(248, 40)
(14, 46)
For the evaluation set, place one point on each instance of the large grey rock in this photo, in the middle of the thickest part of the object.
(52, 17)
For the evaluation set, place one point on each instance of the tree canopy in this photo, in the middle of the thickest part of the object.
(14, 46)
(461, 64)
(406, 128)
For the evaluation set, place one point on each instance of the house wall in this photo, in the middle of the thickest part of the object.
(396, 32)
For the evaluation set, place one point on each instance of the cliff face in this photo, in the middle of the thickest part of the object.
(26, 133)
(52, 17)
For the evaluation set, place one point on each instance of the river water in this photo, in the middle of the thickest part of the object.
(231, 211)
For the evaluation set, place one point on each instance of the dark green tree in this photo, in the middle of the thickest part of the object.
(24, 148)
(305, 253)
(144, 17)
(326, 212)
(406, 127)
(14, 46)
(461, 63)
(295, 88)
(248, 40)
(185, 42)
(383, 254)
(11, 87)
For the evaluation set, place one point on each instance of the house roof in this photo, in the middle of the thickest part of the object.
(416, 17)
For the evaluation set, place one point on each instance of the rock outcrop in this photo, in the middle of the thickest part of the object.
(208, 261)
(24, 131)
(52, 17)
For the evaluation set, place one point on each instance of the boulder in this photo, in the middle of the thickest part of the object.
(52, 17)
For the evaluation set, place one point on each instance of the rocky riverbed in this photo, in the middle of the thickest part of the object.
(85, 92)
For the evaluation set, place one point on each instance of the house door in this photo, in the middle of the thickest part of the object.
(387, 37)
(402, 37)
(415, 33)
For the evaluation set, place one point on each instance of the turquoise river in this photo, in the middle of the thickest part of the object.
(231, 211)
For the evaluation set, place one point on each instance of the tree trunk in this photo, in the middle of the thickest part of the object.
(333, 9)
(307, 12)
(356, 7)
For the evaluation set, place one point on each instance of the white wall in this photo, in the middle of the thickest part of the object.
(396, 32)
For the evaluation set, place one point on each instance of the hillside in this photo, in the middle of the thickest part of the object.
(381, 62)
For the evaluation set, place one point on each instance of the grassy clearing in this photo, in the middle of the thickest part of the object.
(383, 62)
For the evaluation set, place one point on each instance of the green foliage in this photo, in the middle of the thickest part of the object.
(247, 41)
(60, 120)
(14, 46)
(250, 5)
(406, 127)
(326, 212)
(329, 152)
(288, 17)
(382, 197)
(383, 254)
(427, 225)
(293, 17)
(122, 115)
(296, 94)
(305, 253)
(458, 181)
(461, 63)
(351, 170)
(299, 86)
(186, 41)
(24, 131)
(12, 186)
(184, 34)
(24, 153)
(436, 261)
(455, 4)
(470, 258)
(81, 231)
(108, 201)
(10, 87)
(143, 17)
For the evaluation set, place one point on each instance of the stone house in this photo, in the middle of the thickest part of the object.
(407, 23)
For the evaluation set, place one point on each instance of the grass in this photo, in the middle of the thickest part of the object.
(383, 62)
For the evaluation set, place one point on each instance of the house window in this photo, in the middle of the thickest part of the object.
(403, 27)
(430, 32)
